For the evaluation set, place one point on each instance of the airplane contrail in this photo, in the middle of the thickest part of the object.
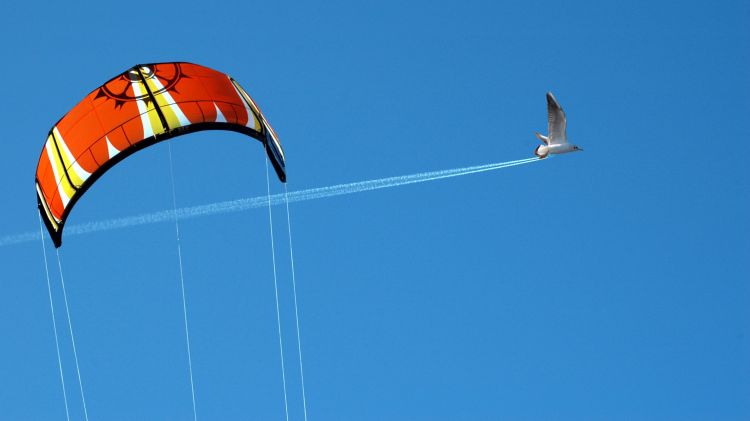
(256, 202)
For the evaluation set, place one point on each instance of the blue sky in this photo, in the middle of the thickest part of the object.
(610, 284)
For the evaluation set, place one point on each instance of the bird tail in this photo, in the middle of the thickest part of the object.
(541, 151)
(542, 137)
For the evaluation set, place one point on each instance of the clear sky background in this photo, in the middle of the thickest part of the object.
(608, 284)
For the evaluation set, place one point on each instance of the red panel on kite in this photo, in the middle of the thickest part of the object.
(142, 106)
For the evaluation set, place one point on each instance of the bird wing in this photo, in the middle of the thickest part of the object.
(556, 121)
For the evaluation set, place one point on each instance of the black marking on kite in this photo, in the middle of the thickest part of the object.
(141, 73)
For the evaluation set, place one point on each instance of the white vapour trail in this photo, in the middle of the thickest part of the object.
(256, 202)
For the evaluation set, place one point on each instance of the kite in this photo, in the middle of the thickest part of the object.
(146, 104)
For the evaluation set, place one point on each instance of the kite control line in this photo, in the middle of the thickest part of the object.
(294, 289)
(54, 322)
(276, 293)
(72, 337)
(182, 279)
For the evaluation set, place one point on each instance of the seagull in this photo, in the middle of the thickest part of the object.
(555, 142)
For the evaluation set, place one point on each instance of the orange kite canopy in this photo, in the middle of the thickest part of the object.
(145, 104)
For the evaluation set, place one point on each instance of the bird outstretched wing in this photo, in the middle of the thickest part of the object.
(556, 121)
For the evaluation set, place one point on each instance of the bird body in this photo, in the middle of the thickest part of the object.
(556, 141)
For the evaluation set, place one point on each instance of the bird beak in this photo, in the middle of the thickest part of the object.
(580, 149)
